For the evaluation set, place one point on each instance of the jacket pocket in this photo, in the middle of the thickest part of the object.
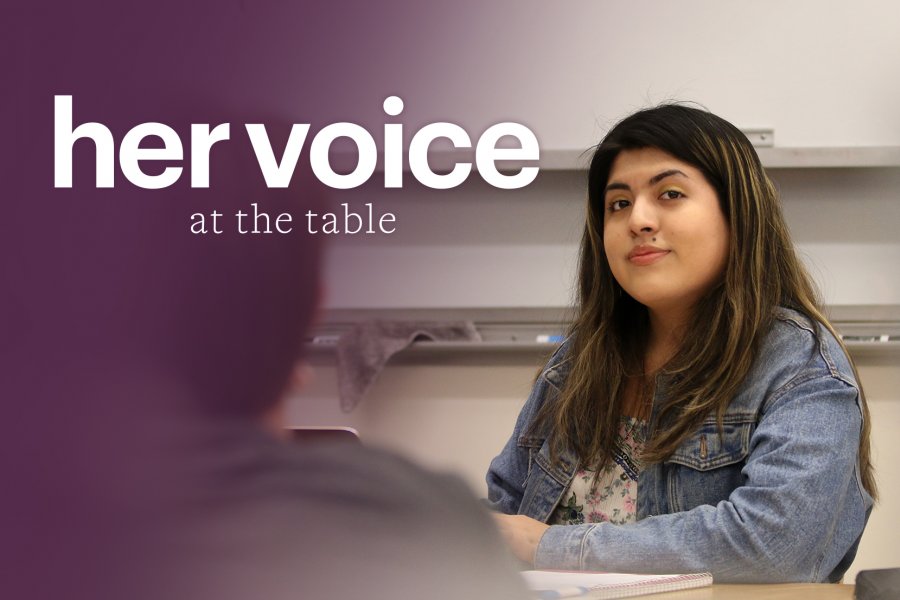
(707, 467)
(546, 480)
(706, 449)
(532, 445)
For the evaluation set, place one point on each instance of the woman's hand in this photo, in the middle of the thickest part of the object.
(522, 534)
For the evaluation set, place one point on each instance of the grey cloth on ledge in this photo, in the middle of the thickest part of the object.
(364, 349)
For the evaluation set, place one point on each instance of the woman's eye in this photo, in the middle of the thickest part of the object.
(672, 195)
(617, 205)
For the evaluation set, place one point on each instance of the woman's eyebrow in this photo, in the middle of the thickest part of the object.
(616, 185)
(660, 176)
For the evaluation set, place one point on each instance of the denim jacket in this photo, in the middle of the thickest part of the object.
(778, 498)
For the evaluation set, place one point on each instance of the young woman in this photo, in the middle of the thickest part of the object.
(701, 415)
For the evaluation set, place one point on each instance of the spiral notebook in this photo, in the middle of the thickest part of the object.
(551, 585)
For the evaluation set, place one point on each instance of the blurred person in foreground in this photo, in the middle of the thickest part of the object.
(273, 520)
(265, 518)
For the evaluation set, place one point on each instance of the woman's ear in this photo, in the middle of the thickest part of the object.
(301, 377)
(275, 418)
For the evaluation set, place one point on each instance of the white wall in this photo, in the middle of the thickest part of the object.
(820, 72)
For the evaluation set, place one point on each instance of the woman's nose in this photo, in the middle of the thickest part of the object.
(644, 218)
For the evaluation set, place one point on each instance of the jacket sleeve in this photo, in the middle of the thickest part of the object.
(801, 482)
(508, 471)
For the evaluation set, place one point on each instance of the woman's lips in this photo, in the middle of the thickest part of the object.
(647, 257)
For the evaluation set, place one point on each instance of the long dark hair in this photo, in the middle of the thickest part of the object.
(609, 333)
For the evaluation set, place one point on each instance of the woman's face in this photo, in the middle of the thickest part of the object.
(664, 233)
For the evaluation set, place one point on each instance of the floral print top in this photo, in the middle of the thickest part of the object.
(614, 497)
